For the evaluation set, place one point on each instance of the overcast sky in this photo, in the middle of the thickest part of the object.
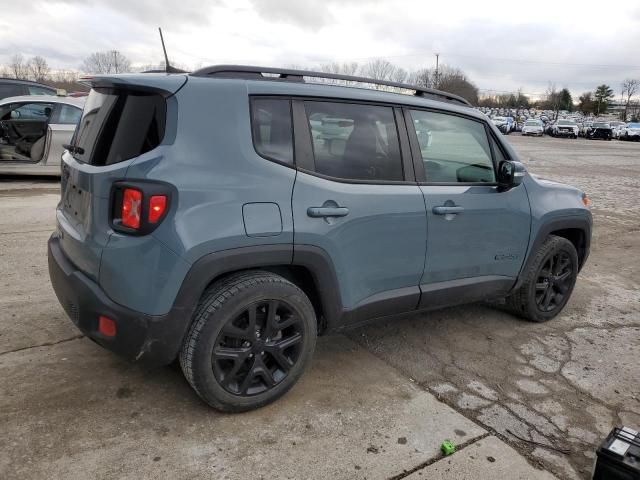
(500, 45)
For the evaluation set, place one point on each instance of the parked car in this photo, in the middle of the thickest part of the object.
(599, 130)
(565, 128)
(616, 131)
(533, 127)
(585, 126)
(196, 223)
(631, 131)
(10, 87)
(33, 131)
(504, 124)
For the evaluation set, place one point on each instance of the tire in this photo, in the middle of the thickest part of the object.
(235, 357)
(526, 301)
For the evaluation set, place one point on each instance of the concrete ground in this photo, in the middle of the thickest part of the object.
(375, 404)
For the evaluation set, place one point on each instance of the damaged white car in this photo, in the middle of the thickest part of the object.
(33, 130)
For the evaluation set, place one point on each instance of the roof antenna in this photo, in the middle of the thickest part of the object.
(167, 67)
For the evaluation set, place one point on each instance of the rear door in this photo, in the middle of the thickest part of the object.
(355, 198)
(477, 234)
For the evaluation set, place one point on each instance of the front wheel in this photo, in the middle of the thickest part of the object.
(548, 282)
(253, 334)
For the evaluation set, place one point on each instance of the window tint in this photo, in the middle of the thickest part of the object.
(358, 142)
(119, 125)
(69, 115)
(454, 149)
(271, 128)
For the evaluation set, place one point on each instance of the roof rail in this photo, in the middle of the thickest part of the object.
(283, 74)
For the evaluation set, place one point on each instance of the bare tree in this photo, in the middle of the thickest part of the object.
(400, 75)
(553, 98)
(379, 70)
(422, 78)
(18, 67)
(106, 62)
(38, 68)
(629, 88)
(347, 68)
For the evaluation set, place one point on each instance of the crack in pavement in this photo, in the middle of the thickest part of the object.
(46, 344)
(459, 448)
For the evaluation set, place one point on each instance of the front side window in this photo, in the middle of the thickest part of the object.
(454, 149)
(32, 111)
(271, 128)
(354, 142)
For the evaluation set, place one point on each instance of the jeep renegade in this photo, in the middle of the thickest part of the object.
(226, 217)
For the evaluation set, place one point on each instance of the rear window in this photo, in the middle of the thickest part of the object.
(118, 125)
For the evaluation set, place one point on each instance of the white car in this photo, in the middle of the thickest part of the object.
(631, 131)
(533, 127)
(33, 130)
(565, 128)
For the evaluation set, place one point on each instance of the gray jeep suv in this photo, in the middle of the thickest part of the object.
(227, 217)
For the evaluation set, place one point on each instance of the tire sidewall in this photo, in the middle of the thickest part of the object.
(559, 245)
(233, 306)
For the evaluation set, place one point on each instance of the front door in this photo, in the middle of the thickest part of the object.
(477, 235)
(356, 199)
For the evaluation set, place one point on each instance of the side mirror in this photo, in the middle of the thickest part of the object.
(510, 174)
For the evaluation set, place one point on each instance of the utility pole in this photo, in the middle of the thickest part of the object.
(437, 60)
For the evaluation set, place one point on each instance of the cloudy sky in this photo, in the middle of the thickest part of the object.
(502, 46)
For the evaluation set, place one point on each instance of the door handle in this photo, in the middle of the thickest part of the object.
(323, 212)
(446, 210)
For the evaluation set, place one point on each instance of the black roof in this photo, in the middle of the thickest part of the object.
(288, 75)
(28, 82)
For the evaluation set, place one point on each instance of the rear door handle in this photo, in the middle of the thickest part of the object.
(445, 210)
(323, 212)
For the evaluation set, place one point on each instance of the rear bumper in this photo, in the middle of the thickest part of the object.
(140, 337)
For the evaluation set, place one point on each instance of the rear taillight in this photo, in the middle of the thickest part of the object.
(138, 207)
(157, 206)
(131, 208)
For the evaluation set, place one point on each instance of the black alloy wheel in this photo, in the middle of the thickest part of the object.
(554, 281)
(256, 349)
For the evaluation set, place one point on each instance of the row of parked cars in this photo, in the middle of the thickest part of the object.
(569, 128)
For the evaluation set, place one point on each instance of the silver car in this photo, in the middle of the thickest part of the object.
(33, 130)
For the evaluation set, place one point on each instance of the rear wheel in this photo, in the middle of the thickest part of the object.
(548, 283)
(252, 336)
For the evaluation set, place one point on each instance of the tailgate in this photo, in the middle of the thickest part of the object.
(83, 212)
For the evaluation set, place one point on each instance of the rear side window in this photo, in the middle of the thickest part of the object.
(271, 128)
(355, 142)
(69, 115)
(118, 125)
(454, 149)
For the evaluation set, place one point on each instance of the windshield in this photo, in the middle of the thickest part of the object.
(601, 125)
(634, 125)
(566, 122)
(532, 123)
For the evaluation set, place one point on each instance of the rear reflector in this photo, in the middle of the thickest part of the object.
(106, 326)
(157, 206)
(131, 207)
